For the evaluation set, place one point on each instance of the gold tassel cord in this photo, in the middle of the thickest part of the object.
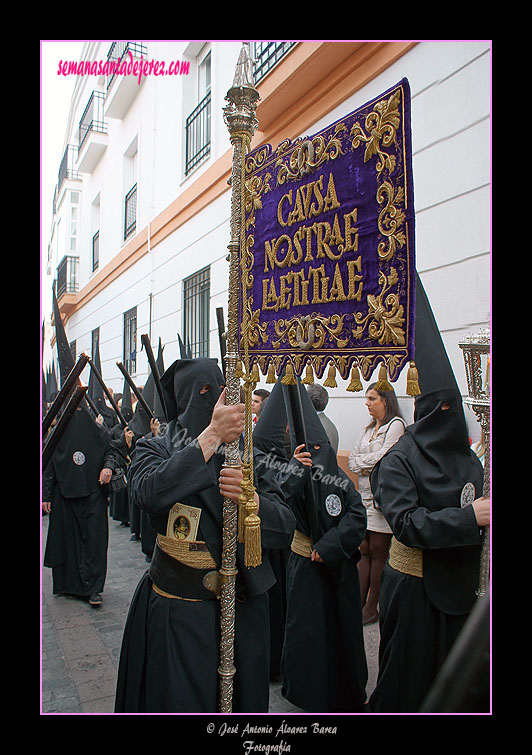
(242, 500)
(383, 384)
(356, 383)
(249, 523)
(412, 381)
(331, 378)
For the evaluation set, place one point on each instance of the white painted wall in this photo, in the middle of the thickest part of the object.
(450, 83)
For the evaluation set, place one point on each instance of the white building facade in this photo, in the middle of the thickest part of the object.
(141, 212)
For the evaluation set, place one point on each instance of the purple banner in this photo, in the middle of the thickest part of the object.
(328, 269)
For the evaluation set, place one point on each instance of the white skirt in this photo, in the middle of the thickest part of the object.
(376, 520)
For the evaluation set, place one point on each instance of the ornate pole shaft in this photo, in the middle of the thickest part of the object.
(240, 119)
(473, 347)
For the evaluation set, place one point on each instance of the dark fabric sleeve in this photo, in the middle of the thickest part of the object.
(159, 479)
(293, 479)
(277, 520)
(415, 525)
(48, 483)
(341, 542)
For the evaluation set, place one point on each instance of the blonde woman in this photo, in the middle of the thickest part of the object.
(385, 428)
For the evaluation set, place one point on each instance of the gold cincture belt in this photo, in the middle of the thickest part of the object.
(405, 559)
(184, 570)
(301, 544)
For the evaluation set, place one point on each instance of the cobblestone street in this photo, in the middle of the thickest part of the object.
(81, 644)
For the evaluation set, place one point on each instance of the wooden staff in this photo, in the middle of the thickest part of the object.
(155, 372)
(66, 389)
(55, 436)
(108, 394)
(135, 390)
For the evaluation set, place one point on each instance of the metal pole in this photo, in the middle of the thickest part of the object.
(239, 117)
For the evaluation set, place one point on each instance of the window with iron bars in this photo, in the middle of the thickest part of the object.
(196, 302)
(96, 251)
(198, 134)
(130, 340)
(130, 212)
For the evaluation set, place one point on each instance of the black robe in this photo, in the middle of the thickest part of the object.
(170, 650)
(418, 485)
(119, 499)
(323, 666)
(76, 545)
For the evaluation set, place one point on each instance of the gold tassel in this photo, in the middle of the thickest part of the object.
(309, 377)
(331, 378)
(255, 376)
(239, 370)
(289, 377)
(412, 382)
(382, 384)
(252, 539)
(271, 375)
(356, 383)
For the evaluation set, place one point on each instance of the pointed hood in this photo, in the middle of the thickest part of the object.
(51, 385)
(183, 351)
(158, 408)
(64, 355)
(96, 391)
(439, 433)
(127, 408)
(140, 423)
(182, 384)
(269, 434)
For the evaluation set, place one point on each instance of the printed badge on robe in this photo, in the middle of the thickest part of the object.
(468, 494)
(183, 522)
(333, 505)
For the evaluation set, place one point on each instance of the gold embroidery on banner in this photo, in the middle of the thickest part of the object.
(382, 124)
(385, 318)
(299, 338)
(309, 155)
(390, 220)
(309, 332)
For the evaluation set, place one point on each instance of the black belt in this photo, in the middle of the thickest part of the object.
(179, 580)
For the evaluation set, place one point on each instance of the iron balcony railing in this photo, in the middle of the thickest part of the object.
(266, 55)
(67, 276)
(130, 212)
(198, 134)
(118, 51)
(92, 118)
(66, 169)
